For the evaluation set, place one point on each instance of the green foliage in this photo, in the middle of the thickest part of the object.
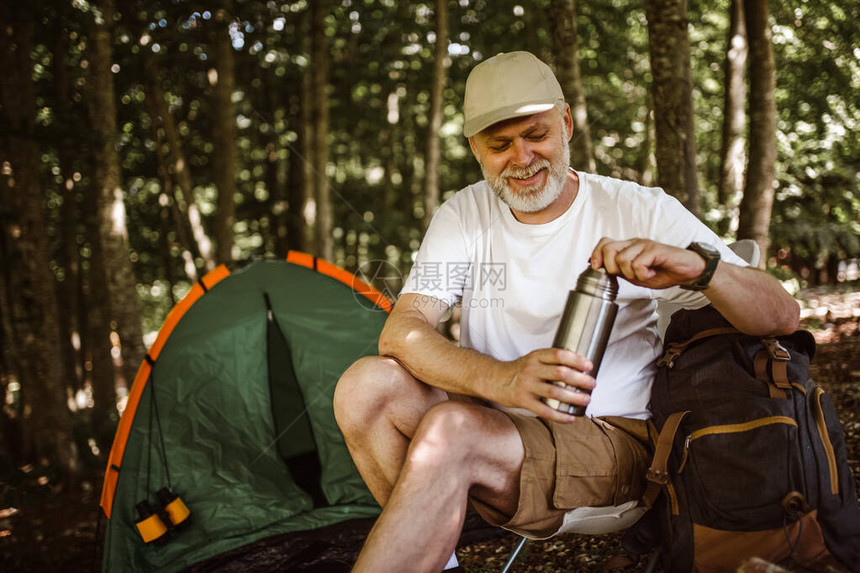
(708, 34)
(818, 194)
(381, 56)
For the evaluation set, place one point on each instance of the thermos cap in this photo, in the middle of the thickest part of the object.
(597, 283)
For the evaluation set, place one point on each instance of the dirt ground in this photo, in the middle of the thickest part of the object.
(46, 529)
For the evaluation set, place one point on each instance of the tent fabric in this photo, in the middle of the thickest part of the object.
(200, 417)
(121, 437)
(342, 275)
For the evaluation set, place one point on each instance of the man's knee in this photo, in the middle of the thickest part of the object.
(365, 388)
(450, 433)
(477, 443)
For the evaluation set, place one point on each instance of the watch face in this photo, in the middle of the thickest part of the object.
(706, 250)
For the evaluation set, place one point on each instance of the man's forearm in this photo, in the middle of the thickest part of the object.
(753, 301)
(435, 360)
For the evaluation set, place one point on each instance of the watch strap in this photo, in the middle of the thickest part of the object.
(712, 258)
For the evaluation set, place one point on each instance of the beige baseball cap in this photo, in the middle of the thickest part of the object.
(505, 86)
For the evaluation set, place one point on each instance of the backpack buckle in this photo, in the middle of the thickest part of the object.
(670, 355)
(657, 476)
(776, 350)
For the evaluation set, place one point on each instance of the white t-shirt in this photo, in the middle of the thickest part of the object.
(513, 278)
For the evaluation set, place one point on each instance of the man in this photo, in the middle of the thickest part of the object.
(523, 236)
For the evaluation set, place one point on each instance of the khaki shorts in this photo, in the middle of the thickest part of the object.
(589, 462)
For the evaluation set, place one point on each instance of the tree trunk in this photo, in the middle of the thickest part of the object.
(165, 247)
(433, 153)
(276, 242)
(562, 15)
(387, 150)
(222, 78)
(296, 227)
(10, 413)
(167, 212)
(37, 332)
(309, 179)
(113, 233)
(756, 205)
(283, 178)
(68, 289)
(320, 120)
(645, 160)
(672, 95)
(734, 120)
(185, 210)
(104, 376)
(171, 217)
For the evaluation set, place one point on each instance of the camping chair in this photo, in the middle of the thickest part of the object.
(595, 521)
(611, 519)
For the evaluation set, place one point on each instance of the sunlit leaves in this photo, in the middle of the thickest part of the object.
(819, 186)
(380, 78)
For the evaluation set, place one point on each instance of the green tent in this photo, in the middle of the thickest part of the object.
(232, 411)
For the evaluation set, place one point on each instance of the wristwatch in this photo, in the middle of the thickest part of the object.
(712, 257)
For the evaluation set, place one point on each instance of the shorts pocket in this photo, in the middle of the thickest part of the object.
(597, 464)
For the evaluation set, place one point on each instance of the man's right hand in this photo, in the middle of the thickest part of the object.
(532, 377)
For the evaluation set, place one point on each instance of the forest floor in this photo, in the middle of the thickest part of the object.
(44, 528)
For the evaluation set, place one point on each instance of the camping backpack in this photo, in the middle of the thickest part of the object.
(750, 456)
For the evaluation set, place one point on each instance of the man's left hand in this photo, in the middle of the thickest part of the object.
(647, 263)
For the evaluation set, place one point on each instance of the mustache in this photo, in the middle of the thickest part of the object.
(526, 172)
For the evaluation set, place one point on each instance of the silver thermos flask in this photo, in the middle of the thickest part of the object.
(586, 324)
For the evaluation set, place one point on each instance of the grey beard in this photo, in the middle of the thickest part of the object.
(532, 199)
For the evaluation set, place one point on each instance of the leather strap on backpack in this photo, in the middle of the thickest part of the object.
(658, 473)
(777, 357)
(675, 349)
(774, 355)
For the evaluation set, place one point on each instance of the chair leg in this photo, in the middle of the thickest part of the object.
(513, 556)
(655, 558)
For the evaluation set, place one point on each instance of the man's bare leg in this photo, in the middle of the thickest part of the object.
(378, 406)
(459, 449)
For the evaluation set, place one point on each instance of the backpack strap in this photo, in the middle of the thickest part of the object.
(773, 354)
(777, 357)
(658, 473)
(675, 349)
